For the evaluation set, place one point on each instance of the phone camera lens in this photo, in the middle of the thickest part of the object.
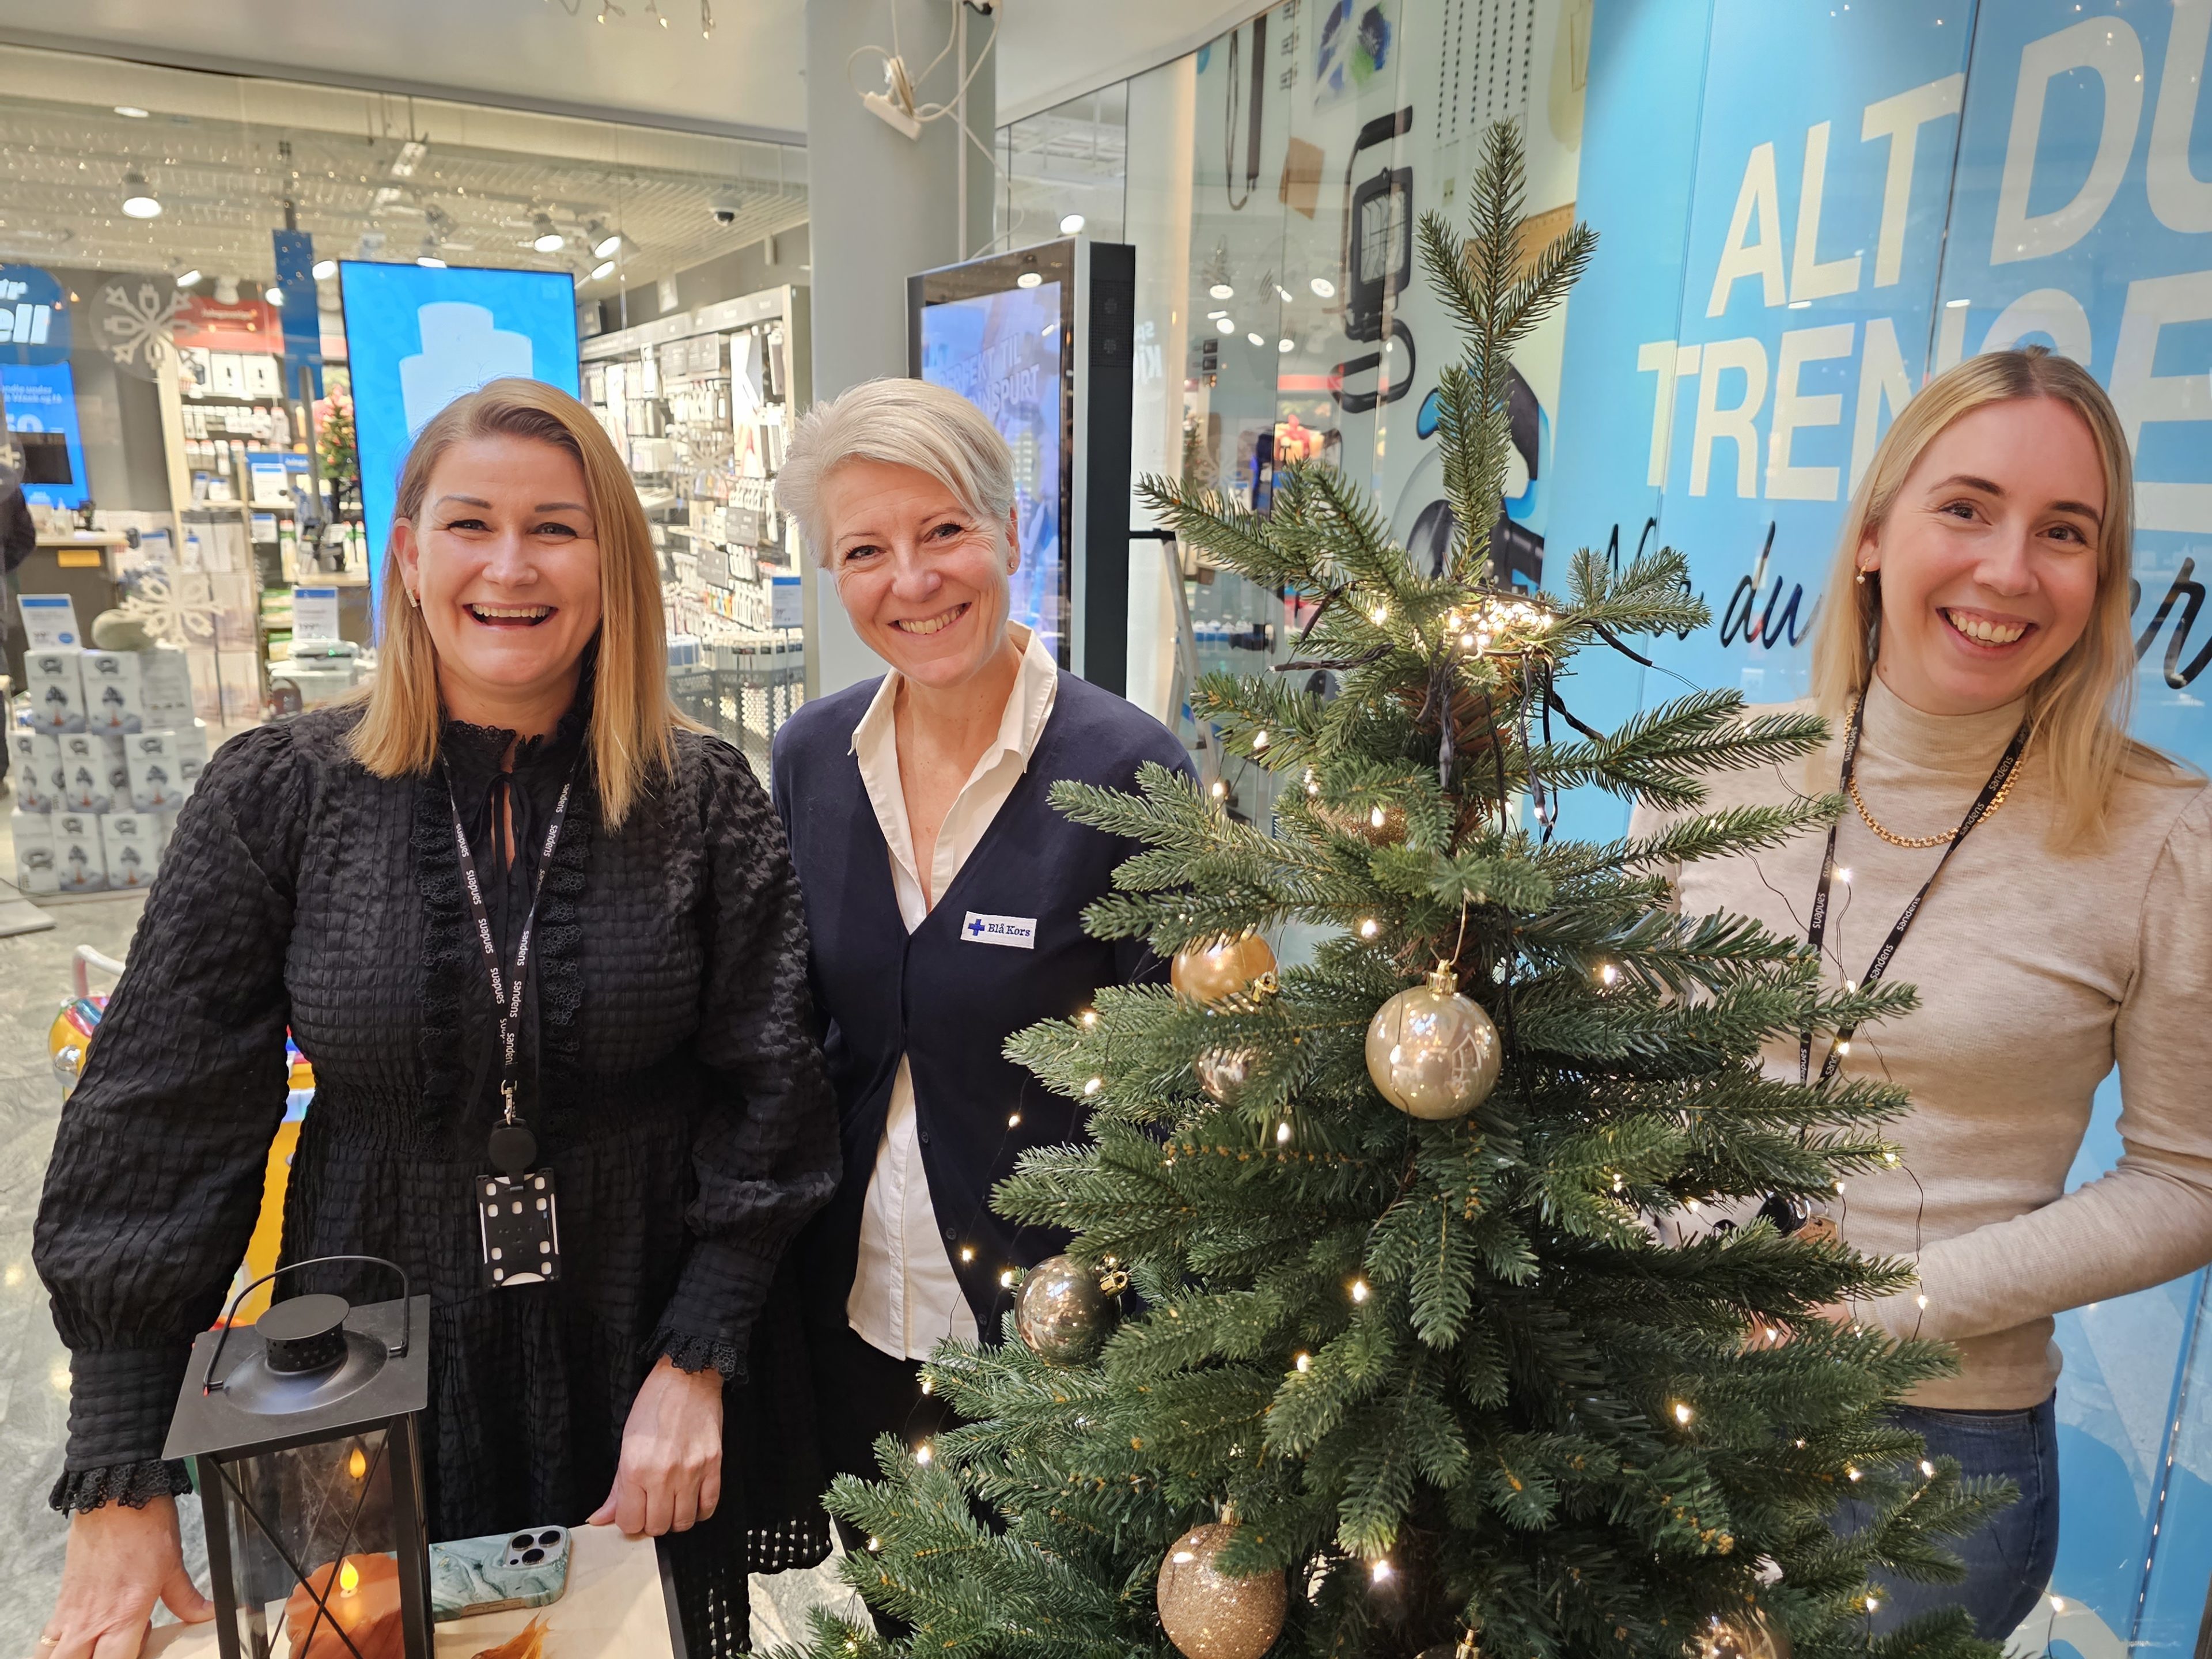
(549, 1537)
(521, 1540)
(533, 1555)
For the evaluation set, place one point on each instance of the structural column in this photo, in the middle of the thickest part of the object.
(883, 206)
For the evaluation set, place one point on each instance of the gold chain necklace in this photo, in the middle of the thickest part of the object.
(1920, 841)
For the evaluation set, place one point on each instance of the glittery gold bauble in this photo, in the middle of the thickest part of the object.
(1746, 1633)
(1223, 1072)
(1207, 1613)
(1432, 1051)
(1063, 1313)
(1234, 966)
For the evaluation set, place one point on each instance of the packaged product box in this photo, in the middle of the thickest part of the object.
(80, 860)
(238, 679)
(191, 741)
(157, 783)
(131, 843)
(34, 833)
(92, 764)
(165, 688)
(34, 765)
(55, 686)
(113, 701)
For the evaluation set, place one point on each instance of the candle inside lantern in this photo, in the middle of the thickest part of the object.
(362, 1598)
(357, 1465)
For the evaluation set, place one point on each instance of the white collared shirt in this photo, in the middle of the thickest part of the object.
(906, 1298)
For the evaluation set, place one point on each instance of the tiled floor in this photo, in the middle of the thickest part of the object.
(34, 978)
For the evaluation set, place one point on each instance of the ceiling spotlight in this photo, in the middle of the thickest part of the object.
(1226, 325)
(1286, 346)
(1222, 291)
(605, 243)
(431, 262)
(139, 201)
(226, 290)
(130, 110)
(1071, 225)
(549, 241)
(323, 270)
(1029, 279)
(1256, 338)
(1284, 292)
(602, 270)
(188, 278)
(1323, 288)
(273, 293)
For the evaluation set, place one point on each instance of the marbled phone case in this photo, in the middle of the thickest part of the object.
(470, 1574)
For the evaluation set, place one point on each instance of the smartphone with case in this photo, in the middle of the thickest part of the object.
(526, 1568)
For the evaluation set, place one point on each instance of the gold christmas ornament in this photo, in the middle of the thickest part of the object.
(1747, 1633)
(1207, 1613)
(1223, 1072)
(1433, 1053)
(1063, 1313)
(1233, 967)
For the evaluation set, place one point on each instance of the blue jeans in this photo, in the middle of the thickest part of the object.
(2008, 1561)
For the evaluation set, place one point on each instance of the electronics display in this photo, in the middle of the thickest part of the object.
(1041, 340)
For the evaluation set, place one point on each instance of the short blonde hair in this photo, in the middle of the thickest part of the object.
(2082, 704)
(632, 719)
(912, 423)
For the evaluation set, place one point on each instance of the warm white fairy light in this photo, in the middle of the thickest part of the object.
(2059, 1604)
(1381, 1570)
(1219, 789)
(1921, 1299)
(1007, 1279)
(1094, 1085)
(1380, 614)
(1375, 817)
(1843, 1047)
(1013, 1120)
(1839, 1186)
(1369, 927)
(1282, 1132)
(928, 1385)
(1683, 1413)
(1618, 1182)
(922, 1452)
(1927, 1469)
(966, 1254)
(1852, 1470)
(1359, 1291)
(1843, 874)
(1089, 1017)
(1889, 1157)
(1259, 741)
(1302, 1362)
(1606, 973)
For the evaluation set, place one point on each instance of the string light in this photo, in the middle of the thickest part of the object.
(1380, 614)
(1927, 1469)
(1375, 817)
(1013, 1120)
(1618, 1182)
(1089, 1017)
(1259, 741)
(966, 1254)
(1852, 1470)
(1381, 1570)
(1282, 1132)
(873, 1544)
(1359, 1291)
(1302, 1362)
(1094, 1085)
(1683, 1413)
(1873, 1603)
(1691, 1205)
(1889, 1157)
(927, 1384)
(922, 1454)
(1369, 927)
(1843, 874)
(1843, 1047)
(1839, 1186)
(2059, 1604)
(1006, 1279)
(1608, 973)
(1219, 790)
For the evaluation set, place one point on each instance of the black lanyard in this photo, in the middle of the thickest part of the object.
(1818, 930)
(507, 994)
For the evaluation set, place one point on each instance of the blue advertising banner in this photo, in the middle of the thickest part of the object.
(417, 338)
(35, 316)
(41, 399)
(1806, 208)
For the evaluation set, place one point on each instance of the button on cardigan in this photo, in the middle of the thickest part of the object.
(682, 1105)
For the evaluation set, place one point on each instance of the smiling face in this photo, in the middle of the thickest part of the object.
(923, 578)
(1988, 557)
(504, 560)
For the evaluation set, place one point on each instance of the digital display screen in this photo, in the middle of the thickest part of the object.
(1002, 352)
(41, 401)
(416, 338)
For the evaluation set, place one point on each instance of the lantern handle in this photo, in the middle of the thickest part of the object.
(208, 1385)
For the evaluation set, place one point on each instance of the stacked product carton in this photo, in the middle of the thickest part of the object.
(102, 755)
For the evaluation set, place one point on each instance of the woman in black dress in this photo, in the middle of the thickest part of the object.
(664, 1060)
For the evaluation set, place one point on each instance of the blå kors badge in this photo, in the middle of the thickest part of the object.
(1019, 931)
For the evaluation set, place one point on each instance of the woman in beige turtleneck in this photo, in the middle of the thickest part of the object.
(1982, 584)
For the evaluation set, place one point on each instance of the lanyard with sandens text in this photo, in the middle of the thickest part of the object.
(513, 1145)
(1818, 930)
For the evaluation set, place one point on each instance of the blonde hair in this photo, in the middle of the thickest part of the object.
(2081, 705)
(913, 423)
(629, 740)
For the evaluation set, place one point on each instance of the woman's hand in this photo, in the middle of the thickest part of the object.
(671, 1475)
(120, 1562)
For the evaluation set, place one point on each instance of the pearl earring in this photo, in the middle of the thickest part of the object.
(1861, 578)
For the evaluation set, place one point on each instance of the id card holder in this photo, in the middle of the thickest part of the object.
(519, 1219)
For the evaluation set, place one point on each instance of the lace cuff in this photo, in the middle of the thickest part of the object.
(131, 1484)
(699, 1353)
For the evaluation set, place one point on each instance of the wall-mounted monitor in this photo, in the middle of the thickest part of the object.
(1040, 340)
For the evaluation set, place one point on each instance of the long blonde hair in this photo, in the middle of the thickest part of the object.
(2081, 703)
(632, 718)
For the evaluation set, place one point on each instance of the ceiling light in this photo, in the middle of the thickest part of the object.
(1323, 288)
(1226, 325)
(139, 201)
(1071, 225)
(1028, 279)
(1222, 291)
(273, 293)
(130, 110)
(604, 269)
(1256, 338)
(1284, 292)
(1286, 346)
(325, 269)
(409, 157)
(548, 240)
(605, 243)
(226, 290)
(185, 279)
(431, 262)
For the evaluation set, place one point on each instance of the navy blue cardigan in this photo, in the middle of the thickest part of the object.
(946, 996)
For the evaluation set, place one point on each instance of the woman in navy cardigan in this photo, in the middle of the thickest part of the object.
(944, 894)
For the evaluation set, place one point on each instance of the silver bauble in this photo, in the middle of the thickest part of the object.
(1223, 1072)
(1208, 1614)
(1433, 1053)
(1062, 1313)
(1746, 1633)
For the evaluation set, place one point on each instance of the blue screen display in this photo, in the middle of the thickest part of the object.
(42, 398)
(1001, 352)
(418, 338)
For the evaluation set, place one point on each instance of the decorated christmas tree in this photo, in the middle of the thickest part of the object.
(1370, 1341)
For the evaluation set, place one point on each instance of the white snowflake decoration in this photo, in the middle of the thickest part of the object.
(135, 327)
(167, 615)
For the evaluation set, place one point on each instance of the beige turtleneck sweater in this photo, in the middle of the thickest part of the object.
(2036, 973)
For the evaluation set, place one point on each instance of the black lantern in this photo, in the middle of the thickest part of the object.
(302, 1431)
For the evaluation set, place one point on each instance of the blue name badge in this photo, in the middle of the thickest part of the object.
(1019, 931)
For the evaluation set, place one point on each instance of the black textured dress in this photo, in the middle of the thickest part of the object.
(678, 1095)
